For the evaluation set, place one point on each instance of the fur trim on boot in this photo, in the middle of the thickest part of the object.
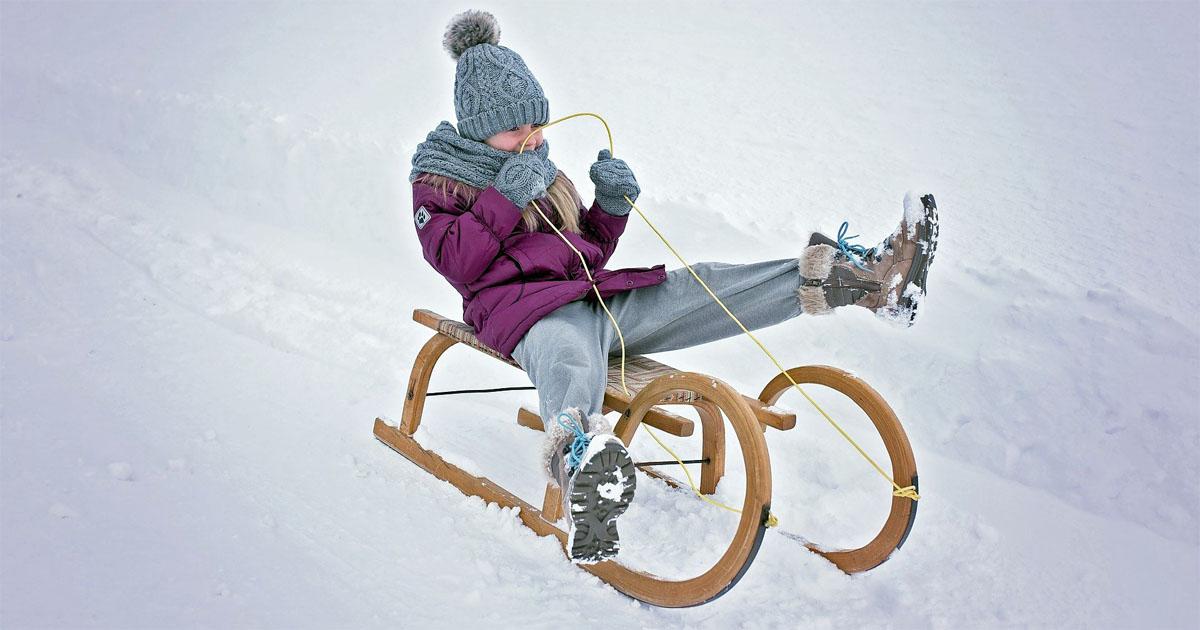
(815, 264)
(597, 424)
(556, 439)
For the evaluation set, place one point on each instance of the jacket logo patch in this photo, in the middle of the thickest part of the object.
(422, 217)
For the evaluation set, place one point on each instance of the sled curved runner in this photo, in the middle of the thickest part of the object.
(652, 386)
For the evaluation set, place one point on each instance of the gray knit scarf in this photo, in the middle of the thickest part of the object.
(445, 152)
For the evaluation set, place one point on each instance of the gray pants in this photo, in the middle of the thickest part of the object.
(566, 353)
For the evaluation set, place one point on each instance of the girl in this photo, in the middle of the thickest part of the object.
(527, 295)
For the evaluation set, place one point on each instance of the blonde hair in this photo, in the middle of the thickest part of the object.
(564, 199)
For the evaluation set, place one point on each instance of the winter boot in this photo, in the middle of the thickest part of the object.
(597, 478)
(889, 279)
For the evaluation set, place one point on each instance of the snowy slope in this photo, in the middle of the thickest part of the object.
(208, 274)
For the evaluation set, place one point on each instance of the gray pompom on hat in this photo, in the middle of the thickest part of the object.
(493, 89)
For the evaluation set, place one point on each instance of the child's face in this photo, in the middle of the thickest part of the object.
(511, 140)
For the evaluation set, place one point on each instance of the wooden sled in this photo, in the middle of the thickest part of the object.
(653, 386)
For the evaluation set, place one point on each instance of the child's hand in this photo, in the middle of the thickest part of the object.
(614, 181)
(522, 178)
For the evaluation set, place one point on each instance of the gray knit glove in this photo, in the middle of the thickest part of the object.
(614, 181)
(522, 178)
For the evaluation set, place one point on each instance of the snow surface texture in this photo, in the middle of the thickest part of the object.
(209, 268)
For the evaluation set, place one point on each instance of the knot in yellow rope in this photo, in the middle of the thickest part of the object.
(907, 492)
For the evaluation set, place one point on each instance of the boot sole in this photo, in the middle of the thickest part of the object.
(918, 273)
(601, 491)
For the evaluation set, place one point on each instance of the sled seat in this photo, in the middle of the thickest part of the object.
(639, 372)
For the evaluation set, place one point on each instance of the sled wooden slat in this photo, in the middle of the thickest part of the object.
(457, 331)
(657, 418)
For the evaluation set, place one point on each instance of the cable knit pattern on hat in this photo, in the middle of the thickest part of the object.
(494, 91)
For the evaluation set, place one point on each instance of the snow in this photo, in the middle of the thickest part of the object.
(60, 510)
(121, 471)
(208, 274)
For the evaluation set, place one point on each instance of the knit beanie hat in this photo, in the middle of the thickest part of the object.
(493, 90)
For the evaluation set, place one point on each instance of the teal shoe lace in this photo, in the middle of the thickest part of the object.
(579, 444)
(853, 252)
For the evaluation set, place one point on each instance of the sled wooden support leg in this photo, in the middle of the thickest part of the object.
(552, 503)
(713, 447)
(418, 381)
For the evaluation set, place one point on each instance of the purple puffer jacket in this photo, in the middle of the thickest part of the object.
(510, 278)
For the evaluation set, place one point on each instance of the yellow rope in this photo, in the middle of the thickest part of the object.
(772, 521)
(908, 492)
